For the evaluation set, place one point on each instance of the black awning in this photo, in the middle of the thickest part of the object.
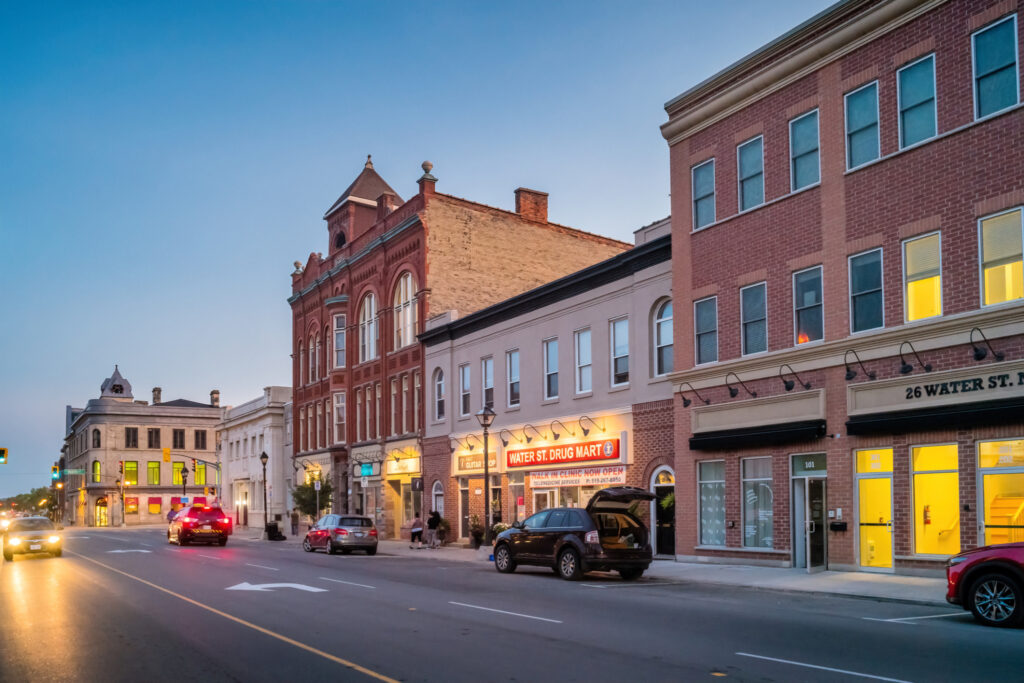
(768, 435)
(961, 416)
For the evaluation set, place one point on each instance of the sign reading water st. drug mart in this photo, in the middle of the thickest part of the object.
(559, 454)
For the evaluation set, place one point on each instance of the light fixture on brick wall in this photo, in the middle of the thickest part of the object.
(504, 441)
(555, 434)
(905, 367)
(527, 436)
(980, 352)
(850, 372)
(586, 430)
(788, 383)
(686, 401)
(733, 391)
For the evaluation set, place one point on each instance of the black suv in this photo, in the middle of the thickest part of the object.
(572, 541)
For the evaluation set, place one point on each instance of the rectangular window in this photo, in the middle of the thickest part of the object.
(359, 415)
(620, 351)
(200, 439)
(754, 314)
(131, 505)
(866, 310)
(154, 506)
(487, 381)
(153, 437)
(916, 95)
(405, 404)
(131, 473)
(1002, 278)
(131, 437)
(757, 502)
(438, 395)
(705, 329)
(711, 488)
(177, 439)
(394, 406)
(750, 162)
(862, 125)
(176, 473)
(200, 474)
(340, 344)
(583, 364)
(804, 169)
(153, 473)
(512, 370)
(703, 194)
(377, 416)
(369, 412)
(1002, 484)
(807, 305)
(995, 67)
(416, 402)
(339, 417)
(936, 500)
(551, 368)
(464, 384)
(922, 272)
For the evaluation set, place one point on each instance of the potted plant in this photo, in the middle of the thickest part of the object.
(443, 527)
(476, 530)
(498, 528)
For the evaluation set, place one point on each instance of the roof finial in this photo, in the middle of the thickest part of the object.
(369, 164)
(427, 168)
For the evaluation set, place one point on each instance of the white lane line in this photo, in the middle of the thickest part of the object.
(261, 566)
(904, 620)
(822, 668)
(592, 585)
(501, 611)
(348, 583)
(212, 557)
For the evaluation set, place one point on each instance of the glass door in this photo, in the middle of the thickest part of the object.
(101, 513)
(809, 474)
(874, 508)
(816, 525)
(542, 500)
(463, 508)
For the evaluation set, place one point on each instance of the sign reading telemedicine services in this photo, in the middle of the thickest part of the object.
(581, 476)
(607, 449)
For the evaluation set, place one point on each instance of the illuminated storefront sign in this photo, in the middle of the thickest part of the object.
(469, 463)
(403, 466)
(607, 449)
(582, 476)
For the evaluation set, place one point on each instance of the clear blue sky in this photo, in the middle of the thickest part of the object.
(163, 164)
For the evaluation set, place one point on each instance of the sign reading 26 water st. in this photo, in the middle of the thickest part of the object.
(606, 449)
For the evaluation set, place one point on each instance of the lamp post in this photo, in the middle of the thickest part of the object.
(266, 518)
(184, 480)
(486, 418)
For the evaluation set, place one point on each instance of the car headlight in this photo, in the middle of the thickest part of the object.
(15, 541)
(54, 539)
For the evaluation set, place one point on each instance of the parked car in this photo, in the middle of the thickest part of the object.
(31, 535)
(572, 541)
(203, 523)
(989, 581)
(342, 533)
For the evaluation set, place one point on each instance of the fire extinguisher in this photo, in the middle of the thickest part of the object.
(927, 512)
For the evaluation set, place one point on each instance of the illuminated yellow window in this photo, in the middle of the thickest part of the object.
(1002, 267)
(1001, 454)
(936, 500)
(131, 506)
(874, 506)
(176, 473)
(154, 508)
(200, 477)
(1003, 491)
(922, 267)
(874, 461)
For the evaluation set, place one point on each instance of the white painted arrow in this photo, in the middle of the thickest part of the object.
(133, 550)
(269, 586)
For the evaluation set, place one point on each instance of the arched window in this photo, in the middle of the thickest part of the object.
(311, 372)
(405, 311)
(316, 376)
(302, 361)
(95, 438)
(96, 471)
(439, 394)
(663, 339)
(438, 496)
(368, 328)
(339, 240)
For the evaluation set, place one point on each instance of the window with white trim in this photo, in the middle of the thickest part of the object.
(550, 368)
(368, 328)
(758, 513)
(319, 425)
(416, 401)
(705, 329)
(512, 377)
(916, 95)
(866, 305)
(996, 82)
(703, 179)
(369, 411)
(464, 389)
(619, 348)
(405, 404)
(311, 374)
(359, 415)
(405, 311)
(922, 277)
(583, 362)
(804, 164)
(394, 406)
(862, 125)
(754, 318)
(808, 310)
(1002, 278)
(711, 490)
(487, 381)
(439, 394)
(380, 426)
(750, 164)
(663, 361)
(339, 417)
(340, 345)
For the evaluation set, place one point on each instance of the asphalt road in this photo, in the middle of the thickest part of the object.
(124, 605)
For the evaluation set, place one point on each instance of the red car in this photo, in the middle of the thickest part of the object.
(989, 581)
(203, 523)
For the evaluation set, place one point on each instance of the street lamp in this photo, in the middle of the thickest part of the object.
(184, 480)
(486, 418)
(266, 518)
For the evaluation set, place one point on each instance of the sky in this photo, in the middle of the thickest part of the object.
(162, 165)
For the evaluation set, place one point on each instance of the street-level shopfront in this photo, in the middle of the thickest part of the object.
(403, 488)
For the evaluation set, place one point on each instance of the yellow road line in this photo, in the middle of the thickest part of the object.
(243, 622)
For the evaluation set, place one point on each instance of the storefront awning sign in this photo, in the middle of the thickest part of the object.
(403, 466)
(469, 463)
(607, 449)
(582, 476)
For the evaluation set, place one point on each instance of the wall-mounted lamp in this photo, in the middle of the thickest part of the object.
(458, 445)
(555, 434)
(586, 430)
(686, 401)
(850, 372)
(980, 352)
(733, 391)
(527, 436)
(472, 436)
(905, 367)
(504, 441)
(788, 383)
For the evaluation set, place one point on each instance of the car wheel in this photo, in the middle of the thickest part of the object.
(995, 600)
(503, 559)
(331, 550)
(569, 565)
(371, 551)
(631, 574)
(306, 546)
(222, 542)
(9, 556)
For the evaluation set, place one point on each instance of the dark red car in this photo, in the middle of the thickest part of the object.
(202, 523)
(989, 581)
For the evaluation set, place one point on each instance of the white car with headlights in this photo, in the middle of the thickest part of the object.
(31, 535)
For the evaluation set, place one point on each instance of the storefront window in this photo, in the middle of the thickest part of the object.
(711, 483)
(1003, 490)
(569, 497)
(131, 505)
(874, 504)
(936, 500)
(757, 502)
(517, 494)
(412, 503)
(496, 498)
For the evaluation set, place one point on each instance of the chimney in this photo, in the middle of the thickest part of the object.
(532, 205)
(215, 398)
(386, 203)
(156, 395)
(427, 181)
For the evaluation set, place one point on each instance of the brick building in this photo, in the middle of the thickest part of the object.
(576, 371)
(846, 207)
(390, 264)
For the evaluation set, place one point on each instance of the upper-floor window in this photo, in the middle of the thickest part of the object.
(754, 318)
(916, 94)
(153, 473)
(302, 361)
(394, 406)
(464, 389)
(995, 67)
(1001, 263)
(359, 415)
(512, 376)
(95, 438)
(405, 404)
(808, 313)
(176, 468)
(316, 370)
(131, 473)
(153, 437)
(550, 368)
(804, 169)
(922, 275)
(750, 163)
(663, 338)
(619, 346)
(405, 311)
(131, 437)
(340, 341)
(704, 194)
(368, 412)
(368, 328)
(439, 394)
(862, 125)
(340, 409)
(416, 401)
(311, 371)
(487, 381)
(319, 425)
(96, 472)
(866, 309)
(705, 329)
(584, 366)
(178, 439)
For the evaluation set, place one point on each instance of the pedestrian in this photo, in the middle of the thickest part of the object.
(433, 522)
(170, 514)
(417, 531)
(295, 521)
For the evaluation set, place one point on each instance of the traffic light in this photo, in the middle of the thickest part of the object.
(3, 456)
(193, 464)
(55, 472)
(167, 455)
(120, 466)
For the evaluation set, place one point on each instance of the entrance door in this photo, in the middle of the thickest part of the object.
(874, 498)
(245, 508)
(664, 513)
(809, 524)
(543, 499)
(464, 512)
(101, 513)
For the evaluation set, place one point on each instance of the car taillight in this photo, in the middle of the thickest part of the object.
(592, 537)
(225, 520)
(190, 520)
(373, 532)
(341, 532)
